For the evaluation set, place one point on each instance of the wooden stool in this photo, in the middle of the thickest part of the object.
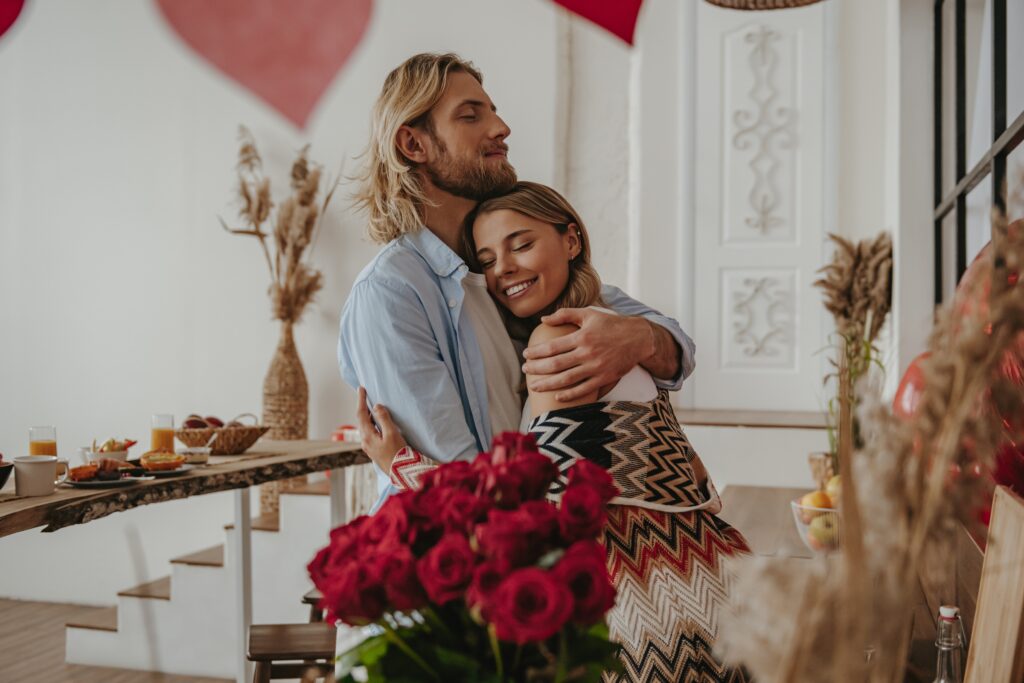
(312, 598)
(291, 651)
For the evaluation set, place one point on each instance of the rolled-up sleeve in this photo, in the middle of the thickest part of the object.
(387, 345)
(618, 301)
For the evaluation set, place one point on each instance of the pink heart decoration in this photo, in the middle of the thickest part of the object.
(286, 52)
(616, 16)
(9, 11)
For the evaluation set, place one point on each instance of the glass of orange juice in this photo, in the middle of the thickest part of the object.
(162, 433)
(42, 440)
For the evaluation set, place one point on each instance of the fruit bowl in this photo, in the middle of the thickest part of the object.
(233, 438)
(818, 527)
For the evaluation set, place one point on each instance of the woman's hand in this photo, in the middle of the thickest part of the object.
(381, 440)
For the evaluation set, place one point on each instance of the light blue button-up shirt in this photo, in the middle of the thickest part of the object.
(404, 338)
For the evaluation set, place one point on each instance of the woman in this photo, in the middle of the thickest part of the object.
(665, 546)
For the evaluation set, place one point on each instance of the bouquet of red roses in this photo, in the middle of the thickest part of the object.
(476, 576)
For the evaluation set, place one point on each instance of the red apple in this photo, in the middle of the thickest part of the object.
(214, 421)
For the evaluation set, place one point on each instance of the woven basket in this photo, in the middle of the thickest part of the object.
(229, 441)
(761, 4)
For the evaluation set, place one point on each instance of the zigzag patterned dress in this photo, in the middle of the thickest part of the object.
(665, 546)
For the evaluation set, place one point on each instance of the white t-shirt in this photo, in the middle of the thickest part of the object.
(501, 362)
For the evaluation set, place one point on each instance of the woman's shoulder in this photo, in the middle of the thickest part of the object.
(544, 332)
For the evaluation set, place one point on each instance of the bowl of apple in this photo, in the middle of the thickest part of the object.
(816, 516)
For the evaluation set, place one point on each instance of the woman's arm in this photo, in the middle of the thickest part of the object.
(543, 401)
(384, 444)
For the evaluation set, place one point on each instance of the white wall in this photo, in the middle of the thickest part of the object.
(120, 296)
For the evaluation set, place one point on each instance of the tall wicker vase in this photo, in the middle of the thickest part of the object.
(285, 409)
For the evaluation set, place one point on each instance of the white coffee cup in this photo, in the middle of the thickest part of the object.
(34, 474)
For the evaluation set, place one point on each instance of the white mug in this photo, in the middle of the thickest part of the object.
(34, 474)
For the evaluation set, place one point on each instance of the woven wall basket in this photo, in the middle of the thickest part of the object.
(285, 410)
(761, 4)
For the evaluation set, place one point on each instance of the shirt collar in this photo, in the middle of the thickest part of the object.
(438, 255)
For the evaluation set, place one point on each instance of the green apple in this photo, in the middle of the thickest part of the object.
(823, 532)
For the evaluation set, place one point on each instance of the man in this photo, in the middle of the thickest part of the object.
(415, 332)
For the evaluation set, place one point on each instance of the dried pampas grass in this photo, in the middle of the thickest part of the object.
(293, 283)
(848, 618)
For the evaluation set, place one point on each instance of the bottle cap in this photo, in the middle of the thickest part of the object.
(948, 612)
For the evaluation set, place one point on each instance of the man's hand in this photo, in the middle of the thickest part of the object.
(604, 348)
(381, 440)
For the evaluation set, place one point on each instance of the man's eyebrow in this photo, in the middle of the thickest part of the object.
(476, 103)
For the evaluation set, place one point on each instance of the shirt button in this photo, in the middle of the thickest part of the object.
(451, 303)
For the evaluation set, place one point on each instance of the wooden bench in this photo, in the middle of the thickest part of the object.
(292, 651)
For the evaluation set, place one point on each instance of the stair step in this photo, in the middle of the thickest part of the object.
(262, 523)
(156, 590)
(210, 557)
(103, 619)
(320, 487)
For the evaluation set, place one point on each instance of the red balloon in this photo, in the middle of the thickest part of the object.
(9, 11)
(908, 394)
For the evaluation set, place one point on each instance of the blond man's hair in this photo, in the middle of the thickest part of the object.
(391, 190)
(544, 204)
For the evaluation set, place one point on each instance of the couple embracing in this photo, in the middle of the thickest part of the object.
(480, 271)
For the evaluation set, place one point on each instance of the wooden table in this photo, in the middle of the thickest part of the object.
(764, 516)
(266, 461)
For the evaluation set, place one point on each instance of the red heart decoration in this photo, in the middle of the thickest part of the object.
(286, 52)
(616, 16)
(9, 11)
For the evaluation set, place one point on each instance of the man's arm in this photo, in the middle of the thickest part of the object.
(606, 347)
(387, 346)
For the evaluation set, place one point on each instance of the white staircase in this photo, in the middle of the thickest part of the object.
(184, 623)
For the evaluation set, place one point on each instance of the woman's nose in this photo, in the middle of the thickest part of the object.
(504, 265)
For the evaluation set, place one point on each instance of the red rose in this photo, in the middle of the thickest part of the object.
(459, 474)
(486, 579)
(530, 605)
(463, 510)
(581, 513)
(397, 568)
(446, 570)
(518, 537)
(586, 472)
(389, 525)
(584, 571)
(535, 473)
(505, 447)
(343, 546)
(503, 484)
(354, 593)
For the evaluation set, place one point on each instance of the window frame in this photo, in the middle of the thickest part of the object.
(1005, 138)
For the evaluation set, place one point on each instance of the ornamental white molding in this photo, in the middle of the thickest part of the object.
(759, 318)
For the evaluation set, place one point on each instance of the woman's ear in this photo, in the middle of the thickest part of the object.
(411, 144)
(573, 240)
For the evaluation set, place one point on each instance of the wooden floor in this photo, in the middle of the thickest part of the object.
(32, 648)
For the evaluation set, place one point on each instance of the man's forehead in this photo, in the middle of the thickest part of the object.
(462, 88)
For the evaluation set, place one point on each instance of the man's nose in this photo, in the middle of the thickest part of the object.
(500, 129)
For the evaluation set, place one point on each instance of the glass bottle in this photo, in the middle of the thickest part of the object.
(949, 643)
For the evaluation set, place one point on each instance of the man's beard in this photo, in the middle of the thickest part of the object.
(474, 179)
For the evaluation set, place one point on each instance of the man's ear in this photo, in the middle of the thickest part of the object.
(412, 144)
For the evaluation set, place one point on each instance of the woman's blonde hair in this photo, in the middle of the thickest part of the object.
(390, 189)
(544, 204)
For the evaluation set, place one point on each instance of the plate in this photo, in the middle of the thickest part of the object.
(112, 483)
(160, 474)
